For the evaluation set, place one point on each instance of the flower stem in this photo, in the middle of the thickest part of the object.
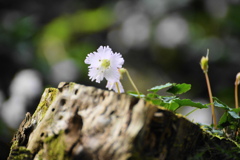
(204, 66)
(130, 79)
(236, 95)
(211, 100)
(236, 99)
(236, 89)
(118, 89)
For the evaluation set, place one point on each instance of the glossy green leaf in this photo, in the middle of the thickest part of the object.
(134, 94)
(179, 88)
(237, 110)
(152, 95)
(231, 111)
(167, 99)
(223, 119)
(173, 106)
(157, 88)
(157, 102)
(220, 104)
(188, 102)
(234, 114)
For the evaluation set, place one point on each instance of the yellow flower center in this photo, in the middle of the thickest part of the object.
(105, 63)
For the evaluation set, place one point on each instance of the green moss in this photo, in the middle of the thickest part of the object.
(45, 102)
(15, 144)
(71, 86)
(39, 155)
(55, 146)
(20, 153)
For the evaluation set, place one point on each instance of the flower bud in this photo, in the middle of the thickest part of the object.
(204, 63)
(238, 79)
(122, 71)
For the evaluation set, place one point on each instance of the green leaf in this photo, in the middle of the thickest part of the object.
(237, 110)
(188, 102)
(220, 104)
(223, 120)
(152, 95)
(173, 106)
(234, 114)
(231, 111)
(167, 99)
(179, 88)
(170, 106)
(157, 88)
(157, 102)
(134, 94)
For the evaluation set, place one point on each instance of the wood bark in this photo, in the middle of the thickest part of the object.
(79, 122)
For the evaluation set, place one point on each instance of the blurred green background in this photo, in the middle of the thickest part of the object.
(45, 42)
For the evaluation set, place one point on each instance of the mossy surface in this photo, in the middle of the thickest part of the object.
(45, 102)
(20, 153)
(71, 85)
(55, 146)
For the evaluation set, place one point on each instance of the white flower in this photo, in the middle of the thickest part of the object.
(116, 86)
(104, 63)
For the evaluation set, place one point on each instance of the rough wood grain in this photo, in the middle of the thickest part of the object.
(79, 122)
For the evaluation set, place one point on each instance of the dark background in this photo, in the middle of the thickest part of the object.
(45, 42)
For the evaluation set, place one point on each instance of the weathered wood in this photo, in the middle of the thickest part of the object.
(79, 122)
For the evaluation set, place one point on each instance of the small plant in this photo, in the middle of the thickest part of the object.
(171, 102)
(106, 64)
(228, 124)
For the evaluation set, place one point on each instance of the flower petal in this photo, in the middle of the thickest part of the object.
(113, 85)
(117, 60)
(95, 74)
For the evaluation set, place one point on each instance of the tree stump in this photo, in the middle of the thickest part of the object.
(78, 122)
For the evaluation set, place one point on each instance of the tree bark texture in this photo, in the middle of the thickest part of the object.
(75, 122)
